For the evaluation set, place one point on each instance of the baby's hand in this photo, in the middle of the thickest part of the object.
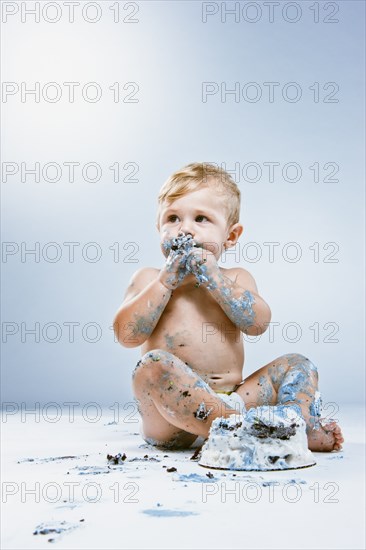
(174, 271)
(202, 263)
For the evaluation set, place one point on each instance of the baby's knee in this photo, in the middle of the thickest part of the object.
(152, 365)
(299, 360)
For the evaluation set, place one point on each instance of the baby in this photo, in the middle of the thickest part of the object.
(189, 318)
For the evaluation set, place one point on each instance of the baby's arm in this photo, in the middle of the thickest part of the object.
(144, 302)
(147, 295)
(241, 302)
(236, 294)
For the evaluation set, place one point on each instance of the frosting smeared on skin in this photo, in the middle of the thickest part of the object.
(169, 340)
(276, 373)
(301, 378)
(239, 309)
(266, 390)
(203, 385)
(182, 246)
(237, 305)
(315, 407)
(145, 324)
(298, 379)
(202, 413)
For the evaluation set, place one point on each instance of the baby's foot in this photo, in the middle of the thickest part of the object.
(325, 436)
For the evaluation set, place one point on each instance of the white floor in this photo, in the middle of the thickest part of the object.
(139, 504)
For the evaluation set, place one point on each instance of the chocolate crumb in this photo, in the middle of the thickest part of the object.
(196, 453)
(117, 459)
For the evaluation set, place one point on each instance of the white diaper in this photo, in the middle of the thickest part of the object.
(234, 401)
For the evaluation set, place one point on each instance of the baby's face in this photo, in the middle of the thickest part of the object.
(200, 213)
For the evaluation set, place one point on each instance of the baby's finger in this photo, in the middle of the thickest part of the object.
(174, 260)
(197, 257)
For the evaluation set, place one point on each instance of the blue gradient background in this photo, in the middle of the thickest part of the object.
(169, 53)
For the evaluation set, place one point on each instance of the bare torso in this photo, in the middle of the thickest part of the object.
(195, 328)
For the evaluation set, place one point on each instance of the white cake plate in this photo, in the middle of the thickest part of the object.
(259, 470)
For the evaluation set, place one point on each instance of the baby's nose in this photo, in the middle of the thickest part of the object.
(185, 231)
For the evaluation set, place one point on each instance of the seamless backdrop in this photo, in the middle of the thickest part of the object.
(277, 97)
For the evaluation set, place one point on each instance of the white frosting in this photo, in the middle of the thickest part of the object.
(265, 438)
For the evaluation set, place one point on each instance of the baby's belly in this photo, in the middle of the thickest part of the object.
(214, 351)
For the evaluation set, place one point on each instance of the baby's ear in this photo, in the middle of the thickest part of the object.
(233, 234)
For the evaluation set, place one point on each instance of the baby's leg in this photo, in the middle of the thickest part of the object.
(293, 380)
(175, 404)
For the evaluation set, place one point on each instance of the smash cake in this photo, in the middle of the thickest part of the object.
(264, 438)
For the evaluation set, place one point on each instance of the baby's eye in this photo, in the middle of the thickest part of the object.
(172, 218)
(200, 218)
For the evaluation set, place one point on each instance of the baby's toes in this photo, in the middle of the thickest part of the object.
(329, 426)
(338, 440)
(338, 433)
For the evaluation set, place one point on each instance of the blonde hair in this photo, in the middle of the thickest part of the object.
(195, 175)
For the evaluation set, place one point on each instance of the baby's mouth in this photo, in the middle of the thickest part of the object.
(182, 244)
